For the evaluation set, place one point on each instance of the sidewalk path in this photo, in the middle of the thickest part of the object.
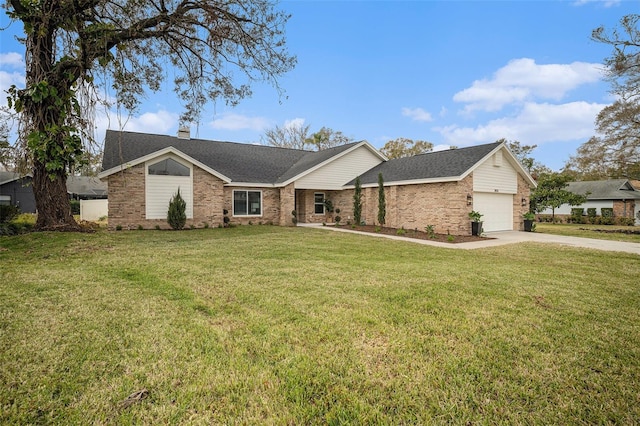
(512, 237)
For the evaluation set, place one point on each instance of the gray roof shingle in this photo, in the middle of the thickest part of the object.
(240, 162)
(431, 165)
(614, 189)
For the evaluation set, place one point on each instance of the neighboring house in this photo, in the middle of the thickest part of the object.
(86, 188)
(618, 194)
(262, 184)
(16, 190)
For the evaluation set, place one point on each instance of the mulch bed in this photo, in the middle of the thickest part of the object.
(417, 234)
(630, 231)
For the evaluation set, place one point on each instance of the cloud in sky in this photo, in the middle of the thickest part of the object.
(158, 122)
(605, 3)
(233, 121)
(417, 114)
(535, 123)
(522, 80)
(12, 60)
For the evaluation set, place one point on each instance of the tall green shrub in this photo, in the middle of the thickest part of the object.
(177, 214)
(382, 204)
(357, 203)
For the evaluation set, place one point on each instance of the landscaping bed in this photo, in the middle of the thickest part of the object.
(414, 233)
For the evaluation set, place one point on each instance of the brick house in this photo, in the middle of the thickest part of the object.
(617, 194)
(262, 184)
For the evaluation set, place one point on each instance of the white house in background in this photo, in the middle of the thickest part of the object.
(616, 194)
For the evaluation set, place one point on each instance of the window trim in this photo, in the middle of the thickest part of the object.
(168, 158)
(315, 204)
(247, 191)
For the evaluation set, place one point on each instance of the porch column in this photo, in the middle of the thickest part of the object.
(287, 204)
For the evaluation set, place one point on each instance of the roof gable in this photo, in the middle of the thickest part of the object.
(451, 164)
(614, 189)
(236, 162)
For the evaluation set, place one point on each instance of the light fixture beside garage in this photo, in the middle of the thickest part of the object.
(524, 201)
(469, 199)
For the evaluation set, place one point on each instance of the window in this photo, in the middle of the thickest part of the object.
(5, 200)
(318, 202)
(247, 203)
(169, 167)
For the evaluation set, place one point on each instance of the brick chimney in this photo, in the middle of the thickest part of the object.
(184, 132)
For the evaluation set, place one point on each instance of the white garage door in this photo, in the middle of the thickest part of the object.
(497, 210)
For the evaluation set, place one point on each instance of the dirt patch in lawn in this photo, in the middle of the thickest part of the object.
(414, 233)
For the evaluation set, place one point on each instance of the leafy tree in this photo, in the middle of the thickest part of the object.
(177, 214)
(523, 154)
(129, 44)
(327, 138)
(616, 151)
(552, 193)
(292, 135)
(357, 202)
(403, 147)
(382, 204)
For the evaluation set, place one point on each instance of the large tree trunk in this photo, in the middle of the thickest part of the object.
(52, 201)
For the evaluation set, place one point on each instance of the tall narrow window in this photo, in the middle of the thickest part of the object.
(247, 203)
(318, 202)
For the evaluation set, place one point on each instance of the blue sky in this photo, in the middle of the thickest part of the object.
(453, 73)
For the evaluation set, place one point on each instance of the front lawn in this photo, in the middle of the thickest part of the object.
(602, 232)
(270, 325)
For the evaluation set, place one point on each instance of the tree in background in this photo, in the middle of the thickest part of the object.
(296, 135)
(551, 193)
(523, 154)
(327, 138)
(292, 135)
(403, 147)
(357, 203)
(382, 204)
(73, 47)
(615, 152)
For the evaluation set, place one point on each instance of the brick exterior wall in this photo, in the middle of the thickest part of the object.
(270, 207)
(623, 209)
(443, 205)
(127, 206)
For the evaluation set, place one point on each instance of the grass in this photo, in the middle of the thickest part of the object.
(589, 231)
(278, 325)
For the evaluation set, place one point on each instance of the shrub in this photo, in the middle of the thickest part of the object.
(607, 216)
(401, 231)
(8, 212)
(626, 221)
(451, 238)
(177, 216)
(118, 227)
(206, 225)
(382, 204)
(294, 217)
(140, 227)
(357, 202)
(576, 215)
(430, 230)
(157, 227)
(338, 219)
(75, 206)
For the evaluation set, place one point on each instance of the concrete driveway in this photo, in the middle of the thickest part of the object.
(512, 237)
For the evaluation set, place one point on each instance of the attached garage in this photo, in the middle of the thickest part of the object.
(497, 210)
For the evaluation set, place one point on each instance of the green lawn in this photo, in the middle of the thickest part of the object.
(590, 231)
(270, 325)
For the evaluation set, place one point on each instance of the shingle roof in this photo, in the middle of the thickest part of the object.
(432, 165)
(86, 186)
(614, 189)
(240, 162)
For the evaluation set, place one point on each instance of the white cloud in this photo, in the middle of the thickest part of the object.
(294, 123)
(537, 123)
(12, 60)
(417, 114)
(523, 80)
(159, 122)
(239, 122)
(605, 3)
